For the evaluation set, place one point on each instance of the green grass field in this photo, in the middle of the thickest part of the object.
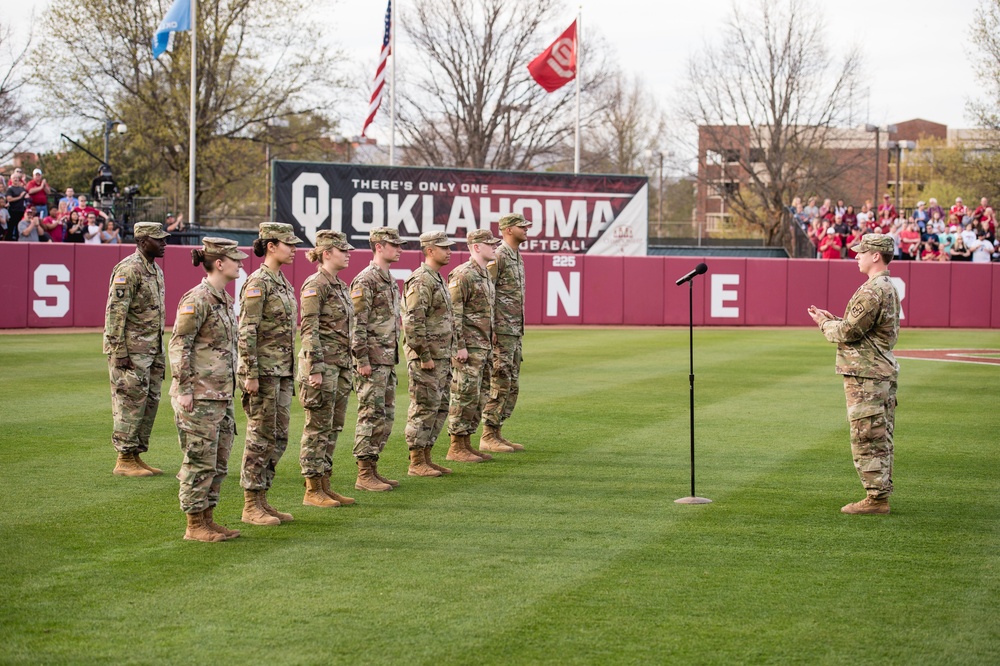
(572, 552)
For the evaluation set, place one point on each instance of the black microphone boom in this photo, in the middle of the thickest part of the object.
(700, 269)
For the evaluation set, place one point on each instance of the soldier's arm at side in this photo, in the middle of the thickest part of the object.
(361, 299)
(312, 347)
(190, 317)
(417, 299)
(251, 311)
(117, 314)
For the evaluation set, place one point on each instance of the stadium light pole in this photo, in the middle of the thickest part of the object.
(899, 146)
(110, 125)
(700, 269)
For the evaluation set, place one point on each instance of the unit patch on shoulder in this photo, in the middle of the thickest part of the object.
(186, 308)
(119, 293)
(858, 310)
(308, 292)
(253, 292)
(121, 279)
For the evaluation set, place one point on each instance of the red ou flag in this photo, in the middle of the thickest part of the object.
(556, 65)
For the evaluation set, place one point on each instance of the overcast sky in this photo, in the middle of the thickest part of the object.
(916, 51)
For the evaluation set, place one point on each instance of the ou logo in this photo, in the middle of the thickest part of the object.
(562, 60)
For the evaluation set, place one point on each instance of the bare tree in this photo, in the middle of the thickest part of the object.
(16, 125)
(986, 37)
(770, 101)
(627, 123)
(257, 64)
(474, 103)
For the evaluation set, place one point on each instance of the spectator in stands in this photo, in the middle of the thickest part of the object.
(76, 227)
(4, 218)
(17, 201)
(3, 180)
(988, 223)
(38, 193)
(54, 228)
(931, 251)
(814, 232)
(175, 225)
(27, 228)
(70, 199)
(864, 215)
(92, 236)
(982, 250)
(829, 245)
(932, 206)
(850, 217)
(840, 208)
(86, 209)
(853, 239)
(909, 241)
(968, 234)
(947, 237)
(959, 210)
(977, 214)
(886, 212)
(960, 251)
(111, 234)
(812, 210)
(826, 209)
(842, 231)
(920, 216)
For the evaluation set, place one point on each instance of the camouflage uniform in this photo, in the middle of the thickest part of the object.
(507, 273)
(472, 297)
(203, 365)
(865, 338)
(428, 335)
(133, 328)
(327, 317)
(375, 342)
(267, 353)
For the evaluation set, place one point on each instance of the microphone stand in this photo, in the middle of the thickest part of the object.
(692, 498)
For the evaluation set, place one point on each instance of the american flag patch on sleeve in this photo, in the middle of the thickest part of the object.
(187, 308)
(253, 292)
(120, 279)
(356, 293)
(308, 292)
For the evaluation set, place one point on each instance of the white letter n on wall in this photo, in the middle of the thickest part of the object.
(558, 293)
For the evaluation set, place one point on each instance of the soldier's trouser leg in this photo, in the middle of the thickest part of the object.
(283, 415)
(227, 432)
(871, 410)
(262, 433)
(376, 411)
(317, 403)
(135, 397)
(504, 380)
(342, 384)
(202, 434)
(428, 402)
(468, 395)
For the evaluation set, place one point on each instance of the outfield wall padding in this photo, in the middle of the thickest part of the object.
(66, 285)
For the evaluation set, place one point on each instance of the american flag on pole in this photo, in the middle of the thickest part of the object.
(383, 56)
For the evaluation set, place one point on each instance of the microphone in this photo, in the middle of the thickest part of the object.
(700, 269)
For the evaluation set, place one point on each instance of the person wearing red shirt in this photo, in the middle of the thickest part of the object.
(853, 239)
(38, 193)
(829, 245)
(909, 241)
(977, 214)
(959, 210)
(86, 209)
(886, 213)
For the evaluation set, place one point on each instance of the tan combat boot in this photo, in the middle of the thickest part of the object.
(458, 452)
(197, 530)
(468, 445)
(419, 466)
(216, 527)
(867, 505)
(325, 479)
(127, 466)
(271, 511)
(314, 494)
(367, 479)
(432, 464)
(253, 512)
(490, 441)
(142, 463)
(392, 482)
(513, 445)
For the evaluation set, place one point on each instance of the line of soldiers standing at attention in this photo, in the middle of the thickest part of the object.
(462, 343)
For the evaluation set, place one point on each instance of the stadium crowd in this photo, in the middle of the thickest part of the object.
(929, 233)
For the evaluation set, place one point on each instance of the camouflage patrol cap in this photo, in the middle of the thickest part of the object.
(513, 220)
(874, 243)
(328, 238)
(148, 230)
(222, 247)
(385, 235)
(482, 236)
(279, 231)
(438, 238)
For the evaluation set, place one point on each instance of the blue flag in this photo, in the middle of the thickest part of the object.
(178, 19)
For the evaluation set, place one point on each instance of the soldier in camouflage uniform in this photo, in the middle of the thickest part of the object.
(375, 348)
(429, 343)
(507, 273)
(267, 368)
(203, 365)
(472, 296)
(865, 338)
(324, 374)
(133, 341)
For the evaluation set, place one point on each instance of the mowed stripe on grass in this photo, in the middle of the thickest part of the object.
(572, 552)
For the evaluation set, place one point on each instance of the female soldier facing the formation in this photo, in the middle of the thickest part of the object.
(267, 368)
(324, 373)
(203, 364)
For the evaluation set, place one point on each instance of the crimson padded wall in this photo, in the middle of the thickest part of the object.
(603, 286)
(970, 300)
(927, 293)
(91, 277)
(14, 285)
(765, 278)
(675, 298)
(642, 291)
(808, 284)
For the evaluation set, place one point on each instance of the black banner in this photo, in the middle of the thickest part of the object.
(585, 214)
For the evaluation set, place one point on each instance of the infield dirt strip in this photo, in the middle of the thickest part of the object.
(981, 356)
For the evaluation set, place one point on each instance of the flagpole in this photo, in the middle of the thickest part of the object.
(193, 150)
(392, 91)
(579, 50)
